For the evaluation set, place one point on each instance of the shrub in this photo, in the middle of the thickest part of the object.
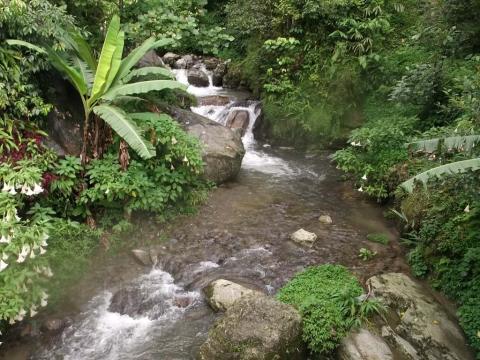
(327, 298)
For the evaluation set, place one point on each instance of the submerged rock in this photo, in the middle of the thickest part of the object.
(255, 327)
(197, 77)
(422, 327)
(214, 100)
(325, 219)
(222, 294)
(238, 119)
(142, 257)
(303, 237)
(364, 345)
(222, 148)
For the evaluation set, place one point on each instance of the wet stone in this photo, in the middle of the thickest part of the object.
(304, 237)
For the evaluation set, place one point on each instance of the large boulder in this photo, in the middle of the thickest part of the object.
(255, 328)
(223, 149)
(422, 327)
(197, 77)
(222, 294)
(150, 59)
(238, 119)
(364, 345)
(64, 122)
(211, 63)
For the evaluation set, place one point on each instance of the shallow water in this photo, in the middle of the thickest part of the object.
(241, 234)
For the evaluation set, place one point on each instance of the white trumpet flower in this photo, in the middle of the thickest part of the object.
(364, 177)
(42, 251)
(33, 311)
(20, 259)
(3, 265)
(4, 257)
(174, 141)
(37, 189)
(360, 189)
(467, 209)
(5, 239)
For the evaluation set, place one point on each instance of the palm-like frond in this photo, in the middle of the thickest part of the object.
(126, 128)
(463, 143)
(149, 70)
(452, 168)
(78, 44)
(84, 70)
(141, 88)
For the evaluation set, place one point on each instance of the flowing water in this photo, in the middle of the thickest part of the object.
(124, 311)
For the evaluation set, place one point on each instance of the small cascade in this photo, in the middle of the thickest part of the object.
(256, 157)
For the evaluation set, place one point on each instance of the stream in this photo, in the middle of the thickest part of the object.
(125, 311)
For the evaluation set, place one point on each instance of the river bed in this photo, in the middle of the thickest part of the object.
(241, 234)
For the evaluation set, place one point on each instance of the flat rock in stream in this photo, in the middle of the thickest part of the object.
(304, 237)
(325, 219)
(256, 328)
(222, 148)
(222, 294)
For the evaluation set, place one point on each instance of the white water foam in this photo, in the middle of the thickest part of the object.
(103, 334)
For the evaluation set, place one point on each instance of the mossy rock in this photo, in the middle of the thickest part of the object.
(255, 327)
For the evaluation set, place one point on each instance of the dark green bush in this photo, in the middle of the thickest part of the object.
(326, 297)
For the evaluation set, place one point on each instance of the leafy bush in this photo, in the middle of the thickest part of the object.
(181, 20)
(327, 297)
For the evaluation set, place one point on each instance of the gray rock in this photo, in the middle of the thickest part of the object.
(142, 257)
(255, 328)
(54, 325)
(189, 61)
(238, 119)
(325, 219)
(401, 345)
(222, 294)
(150, 59)
(214, 100)
(211, 63)
(364, 345)
(180, 64)
(197, 77)
(303, 237)
(222, 148)
(218, 74)
(422, 321)
(170, 58)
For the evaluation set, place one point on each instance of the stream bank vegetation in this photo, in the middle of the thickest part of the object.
(396, 85)
(56, 210)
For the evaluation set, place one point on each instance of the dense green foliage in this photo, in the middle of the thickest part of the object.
(327, 296)
(44, 198)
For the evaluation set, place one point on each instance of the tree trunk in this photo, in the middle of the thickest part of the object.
(123, 156)
(83, 154)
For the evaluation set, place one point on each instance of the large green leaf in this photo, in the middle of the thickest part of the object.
(116, 59)
(149, 116)
(26, 45)
(126, 128)
(142, 87)
(134, 57)
(463, 143)
(105, 61)
(453, 168)
(149, 70)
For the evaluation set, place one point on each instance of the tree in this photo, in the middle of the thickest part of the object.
(106, 83)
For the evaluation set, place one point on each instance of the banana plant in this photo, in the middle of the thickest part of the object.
(459, 143)
(104, 83)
